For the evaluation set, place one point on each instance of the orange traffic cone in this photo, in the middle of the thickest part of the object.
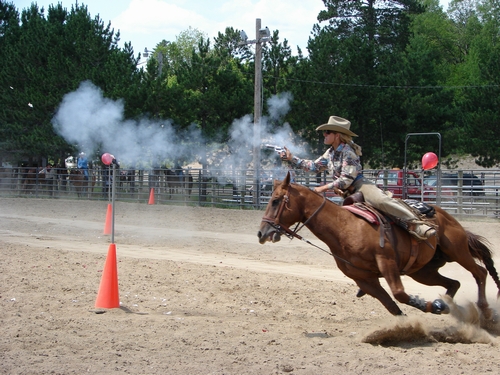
(108, 290)
(108, 223)
(152, 196)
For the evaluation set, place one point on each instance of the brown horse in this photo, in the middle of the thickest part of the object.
(360, 254)
(178, 182)
(126, 180)
(31, 179)
(82, 185)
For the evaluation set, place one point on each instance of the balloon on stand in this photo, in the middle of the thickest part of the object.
(107, 158)
(429, 161)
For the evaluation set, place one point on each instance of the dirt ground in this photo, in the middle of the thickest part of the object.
(199, 295)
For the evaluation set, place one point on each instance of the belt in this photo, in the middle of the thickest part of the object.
(351, 189)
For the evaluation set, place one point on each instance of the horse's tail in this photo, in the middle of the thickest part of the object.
(479, 250)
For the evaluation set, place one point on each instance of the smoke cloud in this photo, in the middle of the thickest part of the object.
(96, 124)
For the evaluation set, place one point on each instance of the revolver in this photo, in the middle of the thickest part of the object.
(278, 149)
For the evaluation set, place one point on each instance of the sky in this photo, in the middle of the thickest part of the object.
(145, 23)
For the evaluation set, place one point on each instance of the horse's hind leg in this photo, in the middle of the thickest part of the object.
(480, 275)
(429, 275)
(373, 288)
(461, 254)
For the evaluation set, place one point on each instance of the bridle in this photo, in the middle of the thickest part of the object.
(282, 229)
(291, 234)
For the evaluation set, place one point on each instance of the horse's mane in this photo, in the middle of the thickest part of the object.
(305, 188)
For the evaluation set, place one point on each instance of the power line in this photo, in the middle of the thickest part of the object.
(389, 86)
(437, 87)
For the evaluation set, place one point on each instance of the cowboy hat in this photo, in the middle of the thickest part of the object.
(337, 124)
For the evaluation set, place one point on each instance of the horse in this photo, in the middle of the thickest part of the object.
(178, 182)
(39, 179)
(361, 254)
(127, 180)
(81, 184)
(30, 178)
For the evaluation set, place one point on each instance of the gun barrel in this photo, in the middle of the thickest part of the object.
(275, 148)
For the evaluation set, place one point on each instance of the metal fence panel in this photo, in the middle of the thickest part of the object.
(227, 188)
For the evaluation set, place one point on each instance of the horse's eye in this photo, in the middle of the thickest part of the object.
(275, 202)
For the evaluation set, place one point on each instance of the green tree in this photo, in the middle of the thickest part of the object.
(477, 24)
(216, 90)
(422, 104)
(9, 120)
(359, 58)
(277, 64)
(48, 58)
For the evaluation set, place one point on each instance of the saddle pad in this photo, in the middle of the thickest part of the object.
(367, 215)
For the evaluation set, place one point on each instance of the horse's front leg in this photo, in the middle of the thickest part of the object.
(390, 272)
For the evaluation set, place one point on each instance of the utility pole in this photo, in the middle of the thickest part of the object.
(262, 35)
(160, 59)
(257, 112)
(160, 62)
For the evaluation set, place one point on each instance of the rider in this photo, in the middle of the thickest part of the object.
(343, 162)
(83, 164)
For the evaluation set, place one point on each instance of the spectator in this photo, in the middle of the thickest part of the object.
(83, 164)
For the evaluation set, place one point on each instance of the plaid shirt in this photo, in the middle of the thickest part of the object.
(342, 163)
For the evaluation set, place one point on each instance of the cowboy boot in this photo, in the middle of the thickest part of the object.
(422, 231)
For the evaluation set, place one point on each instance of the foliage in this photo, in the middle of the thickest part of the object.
(392, 67)
(47, 57)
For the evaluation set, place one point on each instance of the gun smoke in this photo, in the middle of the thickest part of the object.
(96, 124)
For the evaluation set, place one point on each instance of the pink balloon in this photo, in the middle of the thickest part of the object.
(429, 160)
(107, 158)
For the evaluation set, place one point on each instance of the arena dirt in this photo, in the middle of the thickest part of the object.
(199, 295)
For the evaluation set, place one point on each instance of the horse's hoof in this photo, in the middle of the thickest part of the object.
(439, 307)
(360, 293)
(495, 318)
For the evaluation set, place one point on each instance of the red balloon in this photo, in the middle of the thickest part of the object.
(107, 158)
(429, 161)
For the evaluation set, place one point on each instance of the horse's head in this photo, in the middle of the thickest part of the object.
(76, 174)
(282, 211)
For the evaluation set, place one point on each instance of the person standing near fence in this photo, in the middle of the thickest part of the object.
(50, 177)
(83, 164)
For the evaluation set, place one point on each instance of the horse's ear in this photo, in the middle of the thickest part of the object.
(286, 181)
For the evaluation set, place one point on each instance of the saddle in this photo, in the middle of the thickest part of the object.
(356, 204)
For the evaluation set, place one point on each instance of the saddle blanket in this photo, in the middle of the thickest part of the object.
(357, 209)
